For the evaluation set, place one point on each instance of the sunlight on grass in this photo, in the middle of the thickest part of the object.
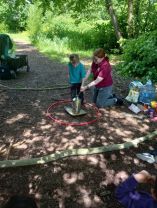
(23, 36)
(61, 52)
(58, 50)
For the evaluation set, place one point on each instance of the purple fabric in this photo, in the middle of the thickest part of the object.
(128, 196)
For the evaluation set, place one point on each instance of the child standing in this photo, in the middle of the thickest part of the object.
(76, 73)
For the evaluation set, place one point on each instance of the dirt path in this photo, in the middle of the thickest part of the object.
(26, 132)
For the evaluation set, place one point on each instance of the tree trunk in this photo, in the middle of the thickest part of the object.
(114, 20)
(130, 18)
(137, 18)
(148, 13)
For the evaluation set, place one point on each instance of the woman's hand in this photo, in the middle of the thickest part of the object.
(91, 84)
(83, 88)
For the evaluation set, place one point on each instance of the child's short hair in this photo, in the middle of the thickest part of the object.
(20, 202)
(74, 57)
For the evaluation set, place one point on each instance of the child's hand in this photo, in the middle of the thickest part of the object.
(120, 177)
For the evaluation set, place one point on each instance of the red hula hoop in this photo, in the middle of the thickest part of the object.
(61, 122)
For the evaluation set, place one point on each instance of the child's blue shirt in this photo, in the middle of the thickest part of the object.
(76, 74)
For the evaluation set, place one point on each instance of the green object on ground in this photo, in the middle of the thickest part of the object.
(70, 110)
(5, 45)
(75, 152)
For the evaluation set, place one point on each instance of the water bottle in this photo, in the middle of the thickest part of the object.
(76, 105)
(135, 84)
(147, 93)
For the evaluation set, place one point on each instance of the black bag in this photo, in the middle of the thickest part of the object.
(5, 72)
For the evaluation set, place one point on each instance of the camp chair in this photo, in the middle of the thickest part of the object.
(8, 62)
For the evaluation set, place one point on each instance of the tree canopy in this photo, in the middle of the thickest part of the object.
(84, 25)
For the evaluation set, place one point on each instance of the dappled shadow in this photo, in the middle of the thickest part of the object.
(73, 182)
(24, 120)
(26, 132)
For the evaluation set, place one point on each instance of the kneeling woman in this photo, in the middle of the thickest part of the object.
(101, 70)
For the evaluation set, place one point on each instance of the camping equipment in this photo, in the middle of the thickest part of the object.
(147, 93)
(134, 91)
(141, 93)
(71, 112)
(134, 108)
(75, 110)
(76, 104)
(133, 95)
(51, 114)
(10, 63)
(154, 104)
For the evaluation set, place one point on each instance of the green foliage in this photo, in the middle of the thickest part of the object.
(140, 57)
(143, 17)
(13, 14)
(147, 20)
(3, 27)
(66, 31)
(23, 36)
(105, 36)
(34, 22)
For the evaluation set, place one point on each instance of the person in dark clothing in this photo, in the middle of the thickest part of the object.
(20, 202)
(5, 45)
(127, 194)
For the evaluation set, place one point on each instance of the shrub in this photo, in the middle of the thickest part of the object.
(79, 36)
(66, 31)
(140, 57)
(14, 15)
(34, 22)
(3, 27)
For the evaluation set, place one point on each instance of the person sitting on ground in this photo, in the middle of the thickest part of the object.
(20, 202)
(102, 73)
(76, 72)
(127, 194)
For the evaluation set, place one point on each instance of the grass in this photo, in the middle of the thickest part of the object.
(60, 52)
(20, 36)
(57, 50)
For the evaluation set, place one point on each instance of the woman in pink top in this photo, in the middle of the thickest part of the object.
(102, 73)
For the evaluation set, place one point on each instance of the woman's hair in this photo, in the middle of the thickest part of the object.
(74, 57)
(20, 202)
(100, 53)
